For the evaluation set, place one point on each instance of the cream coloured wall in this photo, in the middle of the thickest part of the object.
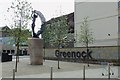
(103, 20)
(106, 52)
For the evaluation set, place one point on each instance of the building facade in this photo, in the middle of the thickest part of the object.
(103, 19)
(7, 44)
(5, 38)
(104, 22)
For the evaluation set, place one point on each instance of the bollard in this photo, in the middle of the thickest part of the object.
(44, 54)
(16, 63)
(51, 74)
(109, 71)
(84, 72)
(58, 61)
(13, 74)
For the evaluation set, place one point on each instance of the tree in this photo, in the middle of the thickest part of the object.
(56, 33)
(86, 35)
(21, 15)
(60, 33)
(46, 35)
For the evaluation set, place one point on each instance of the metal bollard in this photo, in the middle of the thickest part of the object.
(13, 74)
(51, 74)
(84, 72)
(109, 71)
(58, 61)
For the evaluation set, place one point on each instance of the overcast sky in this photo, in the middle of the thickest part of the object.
(49, 8)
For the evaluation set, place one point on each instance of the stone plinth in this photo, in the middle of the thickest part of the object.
(35, 49)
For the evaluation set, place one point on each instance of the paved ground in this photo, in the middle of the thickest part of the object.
(68, 70)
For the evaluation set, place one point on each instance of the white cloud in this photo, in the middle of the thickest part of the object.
(49, 8)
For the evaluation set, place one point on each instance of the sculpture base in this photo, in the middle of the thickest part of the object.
(35, 49)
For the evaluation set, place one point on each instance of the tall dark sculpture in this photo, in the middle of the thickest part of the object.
(36, 53)
(35, 14)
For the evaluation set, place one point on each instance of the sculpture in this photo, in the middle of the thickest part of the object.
(35, 14)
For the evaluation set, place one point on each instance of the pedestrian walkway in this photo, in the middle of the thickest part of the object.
(68, 70)
(90, 73)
